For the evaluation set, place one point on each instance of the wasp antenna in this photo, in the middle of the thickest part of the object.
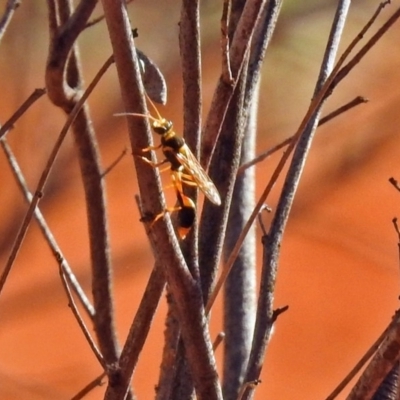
(135, 115)
(154, 108)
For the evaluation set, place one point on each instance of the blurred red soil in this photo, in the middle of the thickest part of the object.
(339, 268)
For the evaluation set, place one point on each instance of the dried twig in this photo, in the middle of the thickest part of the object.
(55, 249)
(342, 109)
(89, 387)
(240, 45)
(11, 6)
(386, 355)
(184, 289)
(79, 319)
(115, 162)
(370, 352)
(45, 174)
(218, 340)
(315, 104)
(37, 93)
(265, 314)
(395, 183)
(226, 67)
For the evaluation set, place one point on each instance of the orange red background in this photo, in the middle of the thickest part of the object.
(339, 269)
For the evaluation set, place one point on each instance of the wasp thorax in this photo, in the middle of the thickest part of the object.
(162, 126)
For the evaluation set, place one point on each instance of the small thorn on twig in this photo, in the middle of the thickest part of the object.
(248, 385)
(278, 312)
(267, 208)
(397, 229)
(394, 182)
(218, 340)
(114, 163)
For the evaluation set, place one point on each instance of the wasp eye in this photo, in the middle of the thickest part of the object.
(162, 126)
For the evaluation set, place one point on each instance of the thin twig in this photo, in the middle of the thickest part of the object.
(325, 91)
(226, 67)
(395, 183)
(46, 172)
(55, 249)
(278, 312)
(172, 347)
(115, 162)
(369, 353)
(271, 247)
(342, 109)
(240, 46)
(37, 93)
(383, 360)
(397, 229)
(79, 319)
(141, 324)
(246, 386)
(218, 340)
(11, 6)
(184, 288)
(261, 34)
(190, 50)
(89, 387)
(64, 85)
(96, 20)
(371, 42)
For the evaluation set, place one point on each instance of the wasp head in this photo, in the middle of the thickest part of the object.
(162, 126)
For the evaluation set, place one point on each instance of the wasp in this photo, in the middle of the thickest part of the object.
(186, 211)
(184, 168)
(186, 214)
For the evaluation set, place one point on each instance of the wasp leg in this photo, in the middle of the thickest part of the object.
(154, 164)
(189, 182)
(150, 148)
(187, 179)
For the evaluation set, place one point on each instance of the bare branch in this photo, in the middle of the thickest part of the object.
(190, 45)
(79, 319)
(56, 251)
(226, 67)
(63, 82)
(141, 325)
(320, 97)
(21, 111)
(45, 174)
(184, 289)
(357, 368)
(368, 46)
(264, 320)
(115, 162)
(240, 45)
(11, 6)
(171, 358)
(342, 109)
(240, 286)
(395, 183)
(89, 387)
(218, 340)
(60, 91)
(381, 364)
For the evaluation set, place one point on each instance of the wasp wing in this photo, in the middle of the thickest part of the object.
(197, 174)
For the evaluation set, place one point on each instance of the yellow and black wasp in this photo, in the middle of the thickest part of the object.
(184, 167)
(186, 214)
